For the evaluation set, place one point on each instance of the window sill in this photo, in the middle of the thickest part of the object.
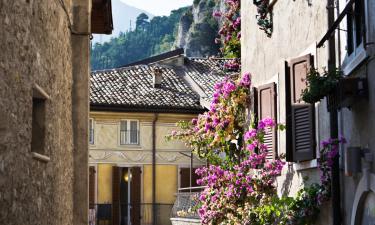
(40, 157)
(353, 61)
(135, 146)
(305, 165)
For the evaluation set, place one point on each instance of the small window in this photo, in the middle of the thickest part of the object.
(129, 132)
(355, 26)
(38, 125)
(38, 130)
(91, 131)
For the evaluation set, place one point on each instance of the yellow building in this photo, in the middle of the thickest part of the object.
(134, 171)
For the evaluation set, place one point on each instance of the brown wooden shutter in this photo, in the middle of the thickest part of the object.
(92, 187)
(300, 115)
(266, 107)
(116, 195)
(185, 178)
(135, 196)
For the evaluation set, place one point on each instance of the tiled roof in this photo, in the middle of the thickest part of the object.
(182, 86)
(132, 88)
(206, 72)
(156, 58)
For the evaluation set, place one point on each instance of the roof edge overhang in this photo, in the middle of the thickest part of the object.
(122, 108)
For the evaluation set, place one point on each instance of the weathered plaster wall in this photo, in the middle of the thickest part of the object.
(35, 48)
(107, 148)
(358, 123)
(298, 26)
(166, 184)
(104, 183)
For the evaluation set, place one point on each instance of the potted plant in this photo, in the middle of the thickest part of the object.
(320, 85)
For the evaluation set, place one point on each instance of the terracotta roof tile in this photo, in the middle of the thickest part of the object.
(133, 87)
(206, 72)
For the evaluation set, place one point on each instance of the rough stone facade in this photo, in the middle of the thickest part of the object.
(36, 48)
(298, 27)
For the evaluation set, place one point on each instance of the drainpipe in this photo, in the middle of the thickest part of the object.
(336, 202)
(191, 169)
(154, 168)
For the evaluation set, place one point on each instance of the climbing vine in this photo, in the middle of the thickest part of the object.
(230, 33)
(240, 181)
(264, 16)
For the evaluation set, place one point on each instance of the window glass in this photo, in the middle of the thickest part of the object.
(123, 132)
(91, 131)
(133, 132)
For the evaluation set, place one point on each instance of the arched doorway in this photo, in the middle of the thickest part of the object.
(368, 211)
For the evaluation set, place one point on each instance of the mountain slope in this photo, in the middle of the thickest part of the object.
(198, 29)
(192, 28)
(123, 15)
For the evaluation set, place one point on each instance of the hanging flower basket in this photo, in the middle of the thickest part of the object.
(320, 85)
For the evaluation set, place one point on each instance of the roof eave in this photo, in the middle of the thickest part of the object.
(125, 108)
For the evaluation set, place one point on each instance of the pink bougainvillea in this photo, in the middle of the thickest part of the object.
(230, 33)
(240, 181)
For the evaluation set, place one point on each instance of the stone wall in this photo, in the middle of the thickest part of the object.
(36, 48)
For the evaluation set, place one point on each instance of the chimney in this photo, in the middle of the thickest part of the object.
(157, 77)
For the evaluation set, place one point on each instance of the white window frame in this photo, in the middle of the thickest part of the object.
(128, 133)
(91, 134)
(359, 54)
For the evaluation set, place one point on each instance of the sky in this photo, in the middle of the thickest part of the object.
(158, 7)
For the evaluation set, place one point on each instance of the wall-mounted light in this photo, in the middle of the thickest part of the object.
(353, 159)
(126, 176)
(351, 90)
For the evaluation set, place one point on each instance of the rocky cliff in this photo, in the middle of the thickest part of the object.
(198, 29)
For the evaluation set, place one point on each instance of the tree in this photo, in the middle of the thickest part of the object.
(142, 21)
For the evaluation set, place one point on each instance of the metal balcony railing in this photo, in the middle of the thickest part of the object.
(186, 204)
(101, 214)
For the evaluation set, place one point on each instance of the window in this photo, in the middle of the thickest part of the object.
(38, 130)
(355, 46)
(92, 189)
(129, 132)
(38, 125)
(300, 118)
(91, 131)
(265, 100)
(355, 26)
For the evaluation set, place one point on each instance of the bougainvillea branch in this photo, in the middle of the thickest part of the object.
(219, 131)
(230, 33)
(240, 181)
(264, 16)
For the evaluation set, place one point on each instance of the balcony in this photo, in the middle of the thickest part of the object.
(185, 208)
(102, 214)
